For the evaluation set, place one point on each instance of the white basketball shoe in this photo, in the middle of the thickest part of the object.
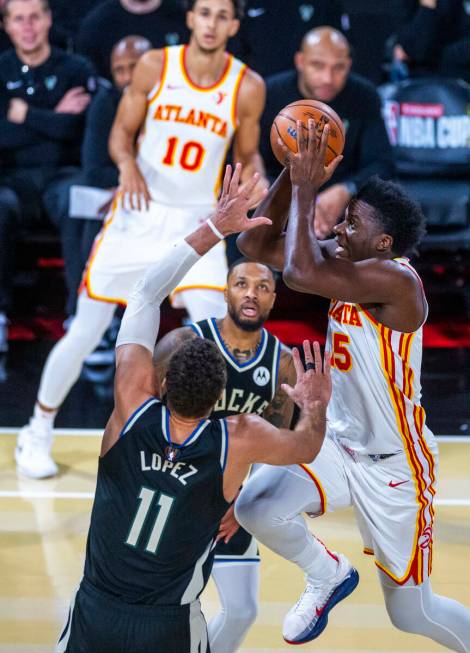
(307, 619)
(33, 450)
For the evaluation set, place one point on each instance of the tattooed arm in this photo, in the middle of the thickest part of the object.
(166, 347)
(280, 410)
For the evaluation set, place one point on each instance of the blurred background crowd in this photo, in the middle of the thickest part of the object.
(405, 103)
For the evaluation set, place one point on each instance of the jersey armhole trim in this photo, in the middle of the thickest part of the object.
(224, 446)
(197, 329)
(277, 358)
(137, 414)
(236, 92)
(156, 90)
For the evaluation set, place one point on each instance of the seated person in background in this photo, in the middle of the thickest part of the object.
(323, 73)
(43, 98)
(98, 169)
(157, 20)
(284, 23)
(436, 39)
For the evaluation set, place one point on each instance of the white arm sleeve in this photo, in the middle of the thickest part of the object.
(141, 319)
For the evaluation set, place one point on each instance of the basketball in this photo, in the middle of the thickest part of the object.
(285, 127)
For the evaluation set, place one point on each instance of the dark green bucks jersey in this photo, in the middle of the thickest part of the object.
(251, 386)
(157, 510)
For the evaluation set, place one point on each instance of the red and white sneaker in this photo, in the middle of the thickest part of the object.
(308, 618)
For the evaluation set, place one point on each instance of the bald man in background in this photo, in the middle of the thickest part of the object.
(99, 170)
(322, 72)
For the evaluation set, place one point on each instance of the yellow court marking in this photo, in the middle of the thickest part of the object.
(42, 545)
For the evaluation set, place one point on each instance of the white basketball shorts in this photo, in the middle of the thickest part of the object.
(392, 499)
(130, 242)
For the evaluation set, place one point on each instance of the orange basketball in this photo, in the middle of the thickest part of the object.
(285, 127)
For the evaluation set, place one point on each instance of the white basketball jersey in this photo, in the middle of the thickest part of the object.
(375, 407)
(187, 132)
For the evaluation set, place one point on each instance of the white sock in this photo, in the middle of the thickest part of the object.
(318, 563)
(44, 418)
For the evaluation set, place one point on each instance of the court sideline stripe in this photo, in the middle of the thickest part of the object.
(54, 494)
(88, 433)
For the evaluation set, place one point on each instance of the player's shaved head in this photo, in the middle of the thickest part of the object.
(323, 63)
(326, 38)
(254, 264)
(124, 57)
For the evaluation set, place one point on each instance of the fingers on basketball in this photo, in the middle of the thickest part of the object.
(284, 127)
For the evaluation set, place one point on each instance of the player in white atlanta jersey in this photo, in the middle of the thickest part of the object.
(378, 455)
(172, 131)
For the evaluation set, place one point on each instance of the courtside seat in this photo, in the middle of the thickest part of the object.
(428, 126)
(38, 274)
(446, 205)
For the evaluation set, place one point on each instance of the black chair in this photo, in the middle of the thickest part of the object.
(429, 128)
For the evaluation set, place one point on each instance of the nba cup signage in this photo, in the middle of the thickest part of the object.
(428, 125)
(416, 125)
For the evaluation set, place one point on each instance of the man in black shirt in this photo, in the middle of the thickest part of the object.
(435, 39)
(43, 96)
(323, 73)
(115, 19)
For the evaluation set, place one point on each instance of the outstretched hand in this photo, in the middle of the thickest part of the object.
(313, 382)
(307, 165)
(235, 201)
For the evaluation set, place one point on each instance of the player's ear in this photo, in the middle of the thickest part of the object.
(385, 243)
(190, 20)
(234, 27)
(299, 61)
(273, 300)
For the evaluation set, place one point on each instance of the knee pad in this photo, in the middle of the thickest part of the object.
(404, 606)
(401, 618)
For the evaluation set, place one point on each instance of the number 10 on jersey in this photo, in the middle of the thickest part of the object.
(188, 156)
(164, 503)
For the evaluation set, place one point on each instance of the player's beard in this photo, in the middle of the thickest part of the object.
(244, 324)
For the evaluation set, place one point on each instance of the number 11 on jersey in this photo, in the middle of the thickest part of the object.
(165, 503)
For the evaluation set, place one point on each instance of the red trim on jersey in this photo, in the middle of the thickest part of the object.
(195, 86)
(236, 92)
(162, 77)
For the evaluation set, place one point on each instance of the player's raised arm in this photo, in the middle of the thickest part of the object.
(129, 120)
(253, 439)
(349, 276)
(266, 244)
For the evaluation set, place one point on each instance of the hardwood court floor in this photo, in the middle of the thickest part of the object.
(43, 526)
